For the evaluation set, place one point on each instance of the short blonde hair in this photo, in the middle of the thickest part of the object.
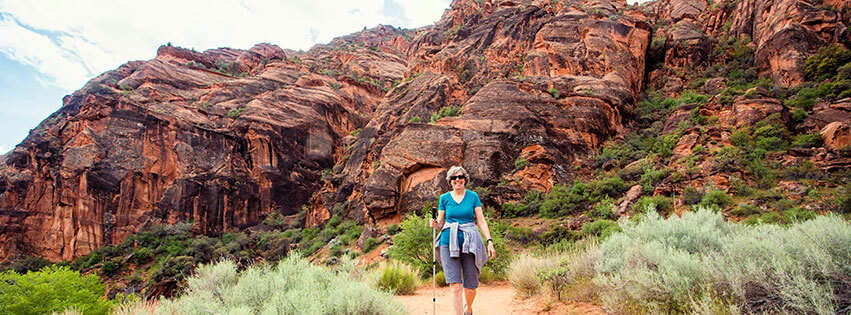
(455, 170)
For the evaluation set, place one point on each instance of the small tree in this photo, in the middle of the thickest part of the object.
(413, 244)
(53, 289)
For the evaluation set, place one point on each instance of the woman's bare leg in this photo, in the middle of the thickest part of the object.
(470, 295)
(457, 300)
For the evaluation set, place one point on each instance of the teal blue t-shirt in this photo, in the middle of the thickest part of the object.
(463, 212)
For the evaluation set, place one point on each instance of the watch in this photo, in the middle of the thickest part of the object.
(489, 240)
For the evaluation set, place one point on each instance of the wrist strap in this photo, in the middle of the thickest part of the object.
(489, 240)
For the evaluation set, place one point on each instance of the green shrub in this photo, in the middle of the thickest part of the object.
(446, 111)
(440, 279)
(601, 228)
(398, 278)
(826, 62)
(716, 198)
(202, 249)
(276, 219)
(811, 140)
(563, 200)
(558, 233)
(500, 264)
(799, 114)
(554, 92)
(606, 186)
(488, 276)
(111, 266)
(172, 268)
(369, 244)
(392, 229)
(691, 195)
(353, 231)
(411, 245)
(29, 263)
(511, 210)
(603, 209)
(663, 205)
(798, 215)
(53, 289)
(520, 163)
(653, 177)
(745, 210)
(519, 234)
(294, 286)
(236, 112)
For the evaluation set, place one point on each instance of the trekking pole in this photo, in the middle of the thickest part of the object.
(433, 264)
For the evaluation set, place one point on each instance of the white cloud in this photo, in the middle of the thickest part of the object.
(70, 42)
(38, 51)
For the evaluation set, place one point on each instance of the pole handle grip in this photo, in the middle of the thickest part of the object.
(434, 212)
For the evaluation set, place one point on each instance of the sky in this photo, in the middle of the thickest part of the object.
(50, 48)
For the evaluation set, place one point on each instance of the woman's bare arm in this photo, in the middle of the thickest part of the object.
(482, 223)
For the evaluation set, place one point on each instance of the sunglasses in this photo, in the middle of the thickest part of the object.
(457, 177)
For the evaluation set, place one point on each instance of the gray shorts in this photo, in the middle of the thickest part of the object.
(458, 270)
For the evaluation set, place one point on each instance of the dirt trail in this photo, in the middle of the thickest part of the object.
(493, 299)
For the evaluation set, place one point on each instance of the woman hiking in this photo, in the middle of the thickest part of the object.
(460, 249)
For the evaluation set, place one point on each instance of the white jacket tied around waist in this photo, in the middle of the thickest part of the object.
(473, 243)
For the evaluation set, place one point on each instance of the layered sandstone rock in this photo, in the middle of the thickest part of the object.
(219, 138)
(556, 79)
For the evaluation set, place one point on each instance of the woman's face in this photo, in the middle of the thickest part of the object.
(457, 180)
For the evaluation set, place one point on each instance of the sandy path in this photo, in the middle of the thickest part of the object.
(493, 299)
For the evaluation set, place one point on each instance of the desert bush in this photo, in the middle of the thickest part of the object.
(522, 274)
(440, 279)
(446, 111)
(563, 200)
(682, 264)
(512, 210)
(369, 244)
(556, 234)
(52, 289)
(520, 235)
(571, 278)
(392, 229)
(398, 278)
(294, 286)
(29, 263)
(110, 267)
(652, 177)
(826, 62)
(728, 159)
(276, 219)
(716, 198)
(172, 267)
(811, 140)
(605, 186)
(691, 195)
(745, 210)
(602, 229)
(527, 207)
(664, 205)
(603, 209)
